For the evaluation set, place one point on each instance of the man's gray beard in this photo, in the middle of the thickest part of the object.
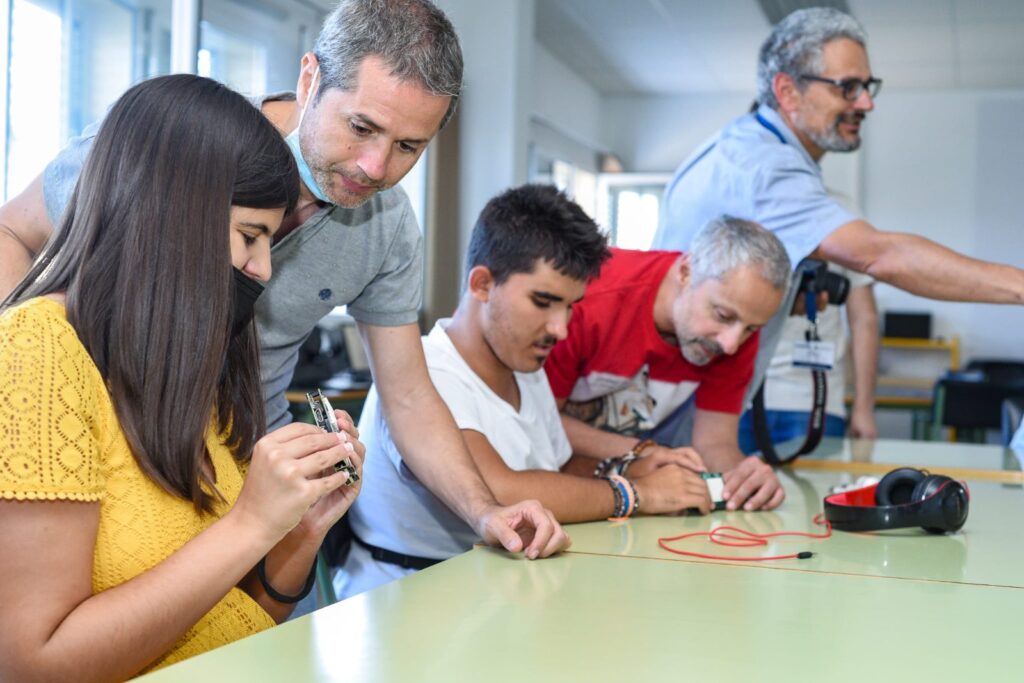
(832, 141)
(700, 361)
(326, 179)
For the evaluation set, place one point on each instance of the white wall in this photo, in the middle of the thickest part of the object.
(497, 42)
(516, 94)
(565, 111)
(293, 26)
(655, 135)
(950, 166)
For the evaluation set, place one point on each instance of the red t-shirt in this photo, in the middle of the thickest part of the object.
(617, 371)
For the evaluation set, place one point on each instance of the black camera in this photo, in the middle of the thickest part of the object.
(815, 277)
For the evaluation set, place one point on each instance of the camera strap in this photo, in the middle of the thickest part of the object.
(816, 421)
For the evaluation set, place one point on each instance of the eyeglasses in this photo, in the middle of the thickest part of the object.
(851, 87)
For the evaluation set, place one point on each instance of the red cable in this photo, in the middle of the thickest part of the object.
(746, 539)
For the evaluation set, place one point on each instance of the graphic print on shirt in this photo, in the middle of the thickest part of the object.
(626, 405)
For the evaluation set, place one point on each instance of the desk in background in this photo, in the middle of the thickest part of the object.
(908, 370)
(344, 391)
(615, 607)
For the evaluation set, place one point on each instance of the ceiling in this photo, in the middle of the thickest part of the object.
(666, 47)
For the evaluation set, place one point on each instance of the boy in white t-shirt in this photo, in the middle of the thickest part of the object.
(530, 256)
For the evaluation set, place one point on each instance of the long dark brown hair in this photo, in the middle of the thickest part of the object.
(143, 255)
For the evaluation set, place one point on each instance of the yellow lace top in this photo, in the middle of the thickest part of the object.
(60, 440)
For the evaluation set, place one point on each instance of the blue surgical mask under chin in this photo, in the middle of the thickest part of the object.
(292, 139)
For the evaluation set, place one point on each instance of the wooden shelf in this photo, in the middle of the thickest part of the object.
(951, 346)
(909, 383)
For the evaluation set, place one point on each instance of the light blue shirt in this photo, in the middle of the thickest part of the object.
(756, 170)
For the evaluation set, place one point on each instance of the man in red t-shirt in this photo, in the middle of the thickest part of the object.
(658, 327)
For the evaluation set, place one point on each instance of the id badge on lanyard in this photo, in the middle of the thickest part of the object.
(817, 355)
(813, 352)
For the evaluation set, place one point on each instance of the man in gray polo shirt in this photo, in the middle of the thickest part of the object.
(382, 79)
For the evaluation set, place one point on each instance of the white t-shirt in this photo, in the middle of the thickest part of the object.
(395, 511)
(788, 387)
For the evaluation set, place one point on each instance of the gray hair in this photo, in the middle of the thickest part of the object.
(795, 46)
(726, 243)
(413, 37)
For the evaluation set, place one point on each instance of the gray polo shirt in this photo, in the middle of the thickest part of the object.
(369, 258)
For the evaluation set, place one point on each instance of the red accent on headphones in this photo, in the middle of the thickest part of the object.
(864, 496)
(905, 497)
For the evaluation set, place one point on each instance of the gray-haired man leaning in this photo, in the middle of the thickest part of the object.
(815, 88)
(657, 328)
(382, 79)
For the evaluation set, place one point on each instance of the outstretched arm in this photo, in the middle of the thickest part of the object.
(920, 266)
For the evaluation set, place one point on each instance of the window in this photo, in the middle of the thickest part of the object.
(255, 46)
(231, 59)
(34, 126)
(68, 60)
(629, 204)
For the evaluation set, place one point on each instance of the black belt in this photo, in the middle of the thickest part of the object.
(406, 561)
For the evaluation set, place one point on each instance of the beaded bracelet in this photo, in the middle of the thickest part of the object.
(631, 500)
(636, 496)
(620, 500)
(261, 572)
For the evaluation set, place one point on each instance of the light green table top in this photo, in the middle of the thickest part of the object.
(984, 552)
(973, 462)
(485, 616)
(892, 606)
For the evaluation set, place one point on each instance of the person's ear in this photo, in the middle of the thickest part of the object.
(481, 282)
(786, 93)
(307, 72)
(681, 270)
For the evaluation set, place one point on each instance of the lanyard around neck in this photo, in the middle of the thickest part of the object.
(768, 124)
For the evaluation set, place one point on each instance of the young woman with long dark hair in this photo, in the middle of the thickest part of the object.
(137, 489)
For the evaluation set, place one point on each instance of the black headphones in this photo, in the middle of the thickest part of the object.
(905, 497)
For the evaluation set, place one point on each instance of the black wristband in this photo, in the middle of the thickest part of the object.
(261, 571)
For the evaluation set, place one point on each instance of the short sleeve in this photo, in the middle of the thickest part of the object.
(726, 379)
(48, 450)
(792, 202)
(460, 399)
(395, 294)
(61, 174)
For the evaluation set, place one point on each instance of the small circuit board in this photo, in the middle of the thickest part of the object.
(323, 415)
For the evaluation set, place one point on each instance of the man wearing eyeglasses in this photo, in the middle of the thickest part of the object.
(815, 89)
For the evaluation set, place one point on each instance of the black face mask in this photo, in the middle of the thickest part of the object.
(246, 291)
